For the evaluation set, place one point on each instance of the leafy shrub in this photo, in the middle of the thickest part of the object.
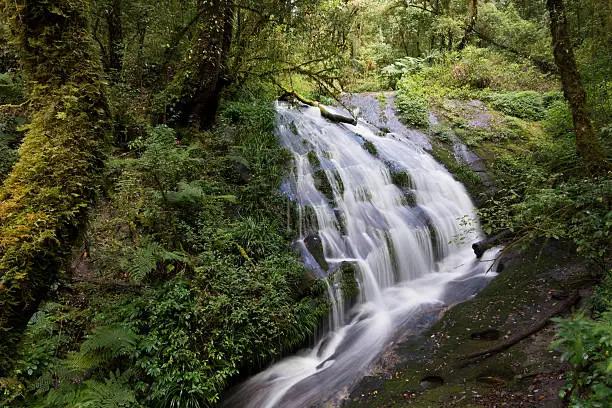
(257, 114)
(411, 105)
(558, 120)
(12, 90)
(473, 69)
(586, 345)
(602, 299)
(524, 104)
(260, 238)
(443, 134)
(485, 68)
(401, 67)
(163, 159)
(574, 210)
(224, 295)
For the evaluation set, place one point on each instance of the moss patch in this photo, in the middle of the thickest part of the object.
(322, 184)
(402, 179)
(370, 148)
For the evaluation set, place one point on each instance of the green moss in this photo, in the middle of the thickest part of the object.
(313, 159)
(461, 171)
(369, 146)
(293, 128)
(442, 134)
(309, 218)
(408, 199)
(339, 182)
(402, 179)
(46, 196)
(524, 104)
(322, 184)
(350, 288)
(346, 277)
(507, 303)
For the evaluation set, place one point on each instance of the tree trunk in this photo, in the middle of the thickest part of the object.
(115, 36)
(587, 143)
(472, 16)
(142, 32)
(198, 85)
(44, 200)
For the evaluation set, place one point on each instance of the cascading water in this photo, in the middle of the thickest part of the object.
(383, 205)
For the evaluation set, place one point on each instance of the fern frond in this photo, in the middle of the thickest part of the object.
(146, 259)
(103, 344)
(143, 261)
(112, 393)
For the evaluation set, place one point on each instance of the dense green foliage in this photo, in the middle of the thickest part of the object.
(586, 345)
(224, 293)
(183, 278)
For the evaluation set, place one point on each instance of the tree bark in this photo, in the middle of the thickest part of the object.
(587, 144)
(471, 22)
(197, 87)
(44, 200)
(115, 36)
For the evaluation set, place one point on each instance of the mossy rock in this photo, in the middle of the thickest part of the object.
(350, 287)
(313, 159)
(309, 218)
(409, 199)
(293, 128)
(346, 277)
(322, 184)
(370, 148)
(402, 179)
(315, 246)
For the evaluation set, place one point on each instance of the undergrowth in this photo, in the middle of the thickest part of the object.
(188, 273)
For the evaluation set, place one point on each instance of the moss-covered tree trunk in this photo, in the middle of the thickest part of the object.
(587, 143)
(469, 26)
(200, 80)
(45, 198)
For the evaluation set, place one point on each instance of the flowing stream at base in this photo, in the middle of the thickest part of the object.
(379, 203)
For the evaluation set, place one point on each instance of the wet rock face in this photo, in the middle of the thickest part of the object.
(314, 245)
(348, 279)
(322, 184)
(431, 381)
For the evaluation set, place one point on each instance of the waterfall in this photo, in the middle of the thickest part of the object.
(376, 211)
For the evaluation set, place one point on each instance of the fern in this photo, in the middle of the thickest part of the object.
(105, 343)
(113, 392)
(146, 259)
(143, 261)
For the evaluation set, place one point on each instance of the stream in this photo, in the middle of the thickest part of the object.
(379, 203)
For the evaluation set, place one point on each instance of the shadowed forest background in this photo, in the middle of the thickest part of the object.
(146, 252)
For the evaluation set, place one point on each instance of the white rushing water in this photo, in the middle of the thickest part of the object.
(397, 237)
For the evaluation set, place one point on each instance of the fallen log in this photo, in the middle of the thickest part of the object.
(334, 117)
(572, 299)
(480, 247)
